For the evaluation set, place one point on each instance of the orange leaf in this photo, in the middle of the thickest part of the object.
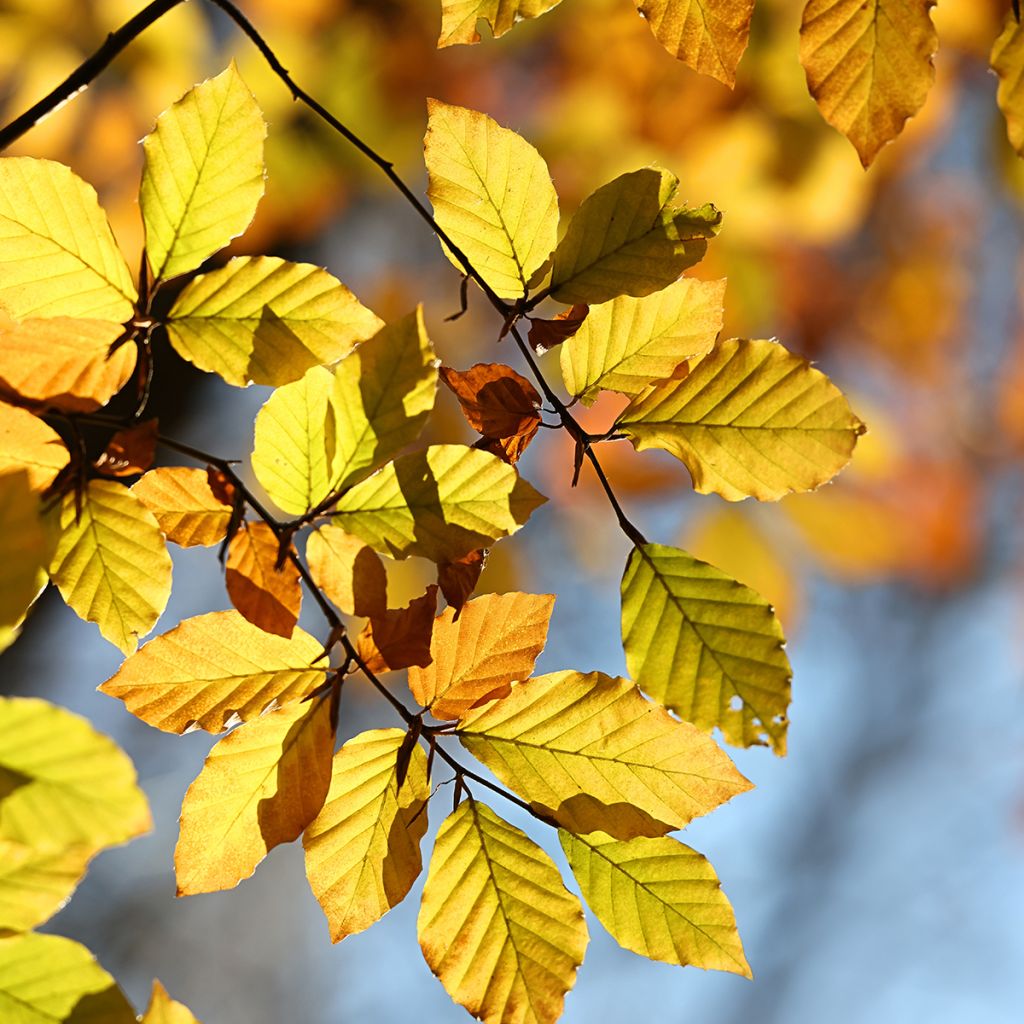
(188, 511)
(546, 334)
(400, 637)
(267, 596)
(27, 443)
(129, 452)
(458, 579)
(349, 573)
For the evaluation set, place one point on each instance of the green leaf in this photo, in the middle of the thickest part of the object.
(111, 564)
(657, 898)
(589, 752)
(47, 979)
(262, 320)
(750, 419)
(492, 193)
(62, 783)
(203, 176)
(36, 883)
(625, 344)
(1008, 63)
(705, 646)
(497, 925)
(24, 547)
(628, 239)
(440, 503)
(58, 256)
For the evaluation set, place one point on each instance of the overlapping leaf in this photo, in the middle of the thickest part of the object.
(1008, 63)
(28, 444)
(458, 578)
(347, 571)
(24, 547)
(130, 451)
(36, 882)
(268, 595)
(163, 1009)
(399, 637)
(188, 511)
(459, 18)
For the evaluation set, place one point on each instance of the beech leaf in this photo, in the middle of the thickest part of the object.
(459, 18)
(129, 452)
(347, 571)
(184, 504)
(546, 334)
(24, 547)
(267, 595)
(1008, 63)
(36, 881)
(458, 578)
(28, 445)
(399, 638)
(163, 1009)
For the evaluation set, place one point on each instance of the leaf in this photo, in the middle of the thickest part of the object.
(708, 35)
(1008, 63)
(627, 343)
(439, 503)
(203, 176)
(267, 595)
(24, 547)
(399, 638)
(705, 646)
(459, 17)
(347, 571)
(215, 669)
(62, 783)
(29, 445)
(496, 925)
(35, 883)
(750, 419)
(546, 334)
(659, 899)
(185, 506)
(475, 658)
(111, 566)
(261, 786)
(129, 452)
(57, 252)
(589, 752)
(71, 988)
(458, 578)
(869, 65)
(65, 363)
(628, 239)
(492, 193)
(262, 320)
(363, 848)
(163, 1009)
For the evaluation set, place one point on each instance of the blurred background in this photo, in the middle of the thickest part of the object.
(878, 871)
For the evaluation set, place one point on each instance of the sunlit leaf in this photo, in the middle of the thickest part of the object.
(494, 641)
(36, 882)
(262, 320)
(213, 670)
(589, 752)
(267, 595)
(163, 1009)
(492, 193)
(203, 176)
(497, 925)
(658, 898)
(261, 786)
(750, 419)
(130, 451)
(24, 547)
(28, 444)
(546, 334)
(57, 251)
(347, 571)
(188, 511)
(459, 17)
(459, 577)
(399, 638)
(363, 848)
(1008, 63)
(628, 238)
(111, 566)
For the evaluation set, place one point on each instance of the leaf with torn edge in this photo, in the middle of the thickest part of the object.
(459, 18)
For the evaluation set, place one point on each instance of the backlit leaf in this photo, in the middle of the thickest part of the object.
(24, 547)
(399, 638)
(268, 596)
(589, 752)
(347, 571)
(459, 17)
(129, 452)
(869, 65)
(492, 193)
(163, 1009)
(546, 334)
(112, 565)
(188, 511)
(57, 252)
(458, 578)
(261, 786)
(203, 176)
(494, 641)
(497, 925)
(628, 238)
(751, 419)
(262, 320)
(363, 848)
(36, 882)
(705, 646)
(657, 898)
(28, 444)
(1008, 63)
(213, 670)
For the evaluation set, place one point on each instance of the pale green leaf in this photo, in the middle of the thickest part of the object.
(1008, 63)
(459, 17)
(24, 547)
(36, 883)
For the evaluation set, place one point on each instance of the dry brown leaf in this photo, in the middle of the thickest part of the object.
(400, 637)
(267, 596)
(458, 579)
(546, 334)
(188, 511)
(131, 451)
(349, 573)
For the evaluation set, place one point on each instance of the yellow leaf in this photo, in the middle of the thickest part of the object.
(440, 503)
(494, 641)
(111, 566)
(589, 752)
(705, 646)
(62, 783)
(496, 925)
(869, 65)
(347, 571)
(24, 547)
(215, 669)
(628, 239)
(459, 17)
(625, 344)
(269, 596)
(47, 979)
(657, 898)
(35, 883)
(181, 499)
(262, 320)
(203, 176)
(28, 444)
(261, 786)
(163, 1009)
(492, 193)
(708, 35)
(57, 251)
(750, 419)
(1008, 63)
(363, 848)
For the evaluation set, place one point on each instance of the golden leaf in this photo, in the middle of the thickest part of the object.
(184, 504)
(268, 596)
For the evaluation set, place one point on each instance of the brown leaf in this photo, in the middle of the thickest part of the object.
(267, 596)
(400, 637)
(131, 451)
(546, 334)
(458, 579)
(349, 573)
(220, 485)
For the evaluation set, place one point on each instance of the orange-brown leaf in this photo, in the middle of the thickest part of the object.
(27, 443)
(546, 334)
(349, 573)
(458, 579)
(400, 637)
(188, 511)
(131, 451)
(267, 596)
